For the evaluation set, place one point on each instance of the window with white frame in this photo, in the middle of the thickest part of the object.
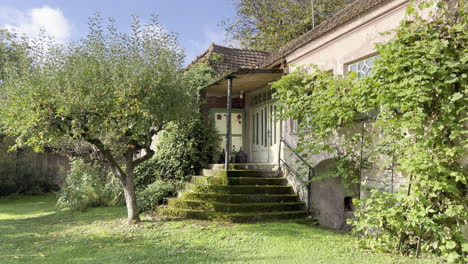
(363, 67)
(293, 124)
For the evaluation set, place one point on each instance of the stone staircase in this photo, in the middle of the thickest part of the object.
(247, 193)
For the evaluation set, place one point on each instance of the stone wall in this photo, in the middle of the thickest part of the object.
(22, 169)
(328, 197)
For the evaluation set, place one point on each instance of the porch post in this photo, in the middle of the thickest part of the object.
(228, 124)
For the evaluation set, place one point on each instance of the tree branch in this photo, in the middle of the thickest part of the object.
(149, 152)
(107, 155)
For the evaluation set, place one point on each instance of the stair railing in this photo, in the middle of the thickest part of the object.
(310, 173)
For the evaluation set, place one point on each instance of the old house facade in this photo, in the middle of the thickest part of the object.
(343, 43)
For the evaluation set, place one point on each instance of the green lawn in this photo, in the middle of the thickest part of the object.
(32, 230)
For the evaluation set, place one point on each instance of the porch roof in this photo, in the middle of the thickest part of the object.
(243, 80)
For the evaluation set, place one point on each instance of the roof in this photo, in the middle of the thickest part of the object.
(244, 80)
(353, 10)
(231, 58)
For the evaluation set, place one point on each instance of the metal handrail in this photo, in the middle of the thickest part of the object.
(310, 174)
(297, 155)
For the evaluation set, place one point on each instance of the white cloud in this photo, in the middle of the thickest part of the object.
(210, 35)
(30, 22)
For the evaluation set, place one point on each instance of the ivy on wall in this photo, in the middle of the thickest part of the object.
(418, 94)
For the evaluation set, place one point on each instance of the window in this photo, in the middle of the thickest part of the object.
(293, 126)
(363, 67)
(263, 97)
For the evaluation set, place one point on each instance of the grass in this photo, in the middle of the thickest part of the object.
(32, 230)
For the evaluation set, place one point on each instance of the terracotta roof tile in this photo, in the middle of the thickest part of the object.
(231, 58)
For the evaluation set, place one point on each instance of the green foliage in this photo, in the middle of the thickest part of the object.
(88, 185)
(7, 188)
(325, 105)
(109, 86)
(186, 148)
(154, 194)
(11, 50)
(146, 173)
(113, 90)
(269, 25)
(419, 86)
(182, 151)
(33, 231)
(423, 110)
(199, 75)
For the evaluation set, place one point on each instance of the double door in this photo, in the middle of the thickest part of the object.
(265, 133)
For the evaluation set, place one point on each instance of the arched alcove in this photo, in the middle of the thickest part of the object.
(331, 202)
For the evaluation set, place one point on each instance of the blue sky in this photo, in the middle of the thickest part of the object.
(196, 21)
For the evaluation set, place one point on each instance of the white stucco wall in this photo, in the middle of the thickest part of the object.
(334, 51)
(350, 42)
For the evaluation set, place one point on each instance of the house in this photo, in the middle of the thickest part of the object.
(240, 101)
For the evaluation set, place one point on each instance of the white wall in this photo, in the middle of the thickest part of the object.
(334, 51)
(350, 42)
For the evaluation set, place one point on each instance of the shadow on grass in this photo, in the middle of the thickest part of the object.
(61, 238)
(99, 235)
(34, 231)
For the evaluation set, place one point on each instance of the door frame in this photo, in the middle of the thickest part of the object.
(212, 117)
(270, 148)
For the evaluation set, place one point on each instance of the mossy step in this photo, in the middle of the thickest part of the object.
(240, 189)
(230, 217)
(213, 180)
(246, 166)
(257, 181)
(240, 173)
(239, 198)
(234, 207)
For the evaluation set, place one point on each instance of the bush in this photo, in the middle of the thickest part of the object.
(154, 194)
(185, 149)
(88, 185)
(35, 189)
(145, 174)
(7, 189)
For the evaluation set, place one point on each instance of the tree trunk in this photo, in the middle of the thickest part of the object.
(129, 190)
(130, 201)
(126, 178)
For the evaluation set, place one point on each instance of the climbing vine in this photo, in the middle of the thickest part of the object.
(414, 105)
(325, 106)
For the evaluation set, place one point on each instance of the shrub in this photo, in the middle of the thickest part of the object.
(185, 149)
(145, 174)
(418, 86)
(35, 189)
(7, 188)
(154, 194)
(88, 185)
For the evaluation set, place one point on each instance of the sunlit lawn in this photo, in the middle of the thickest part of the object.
(32, 230)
